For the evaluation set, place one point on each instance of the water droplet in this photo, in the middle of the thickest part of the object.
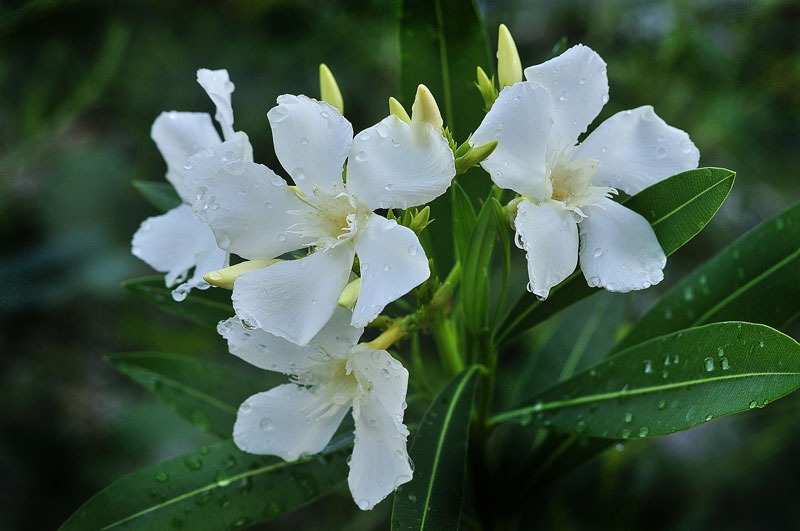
(662, 405)
(709, 417)
(598, 252)
(304, 141)
(724, 364)
(752, 404)
(413, 250)
(720, 352)
(389, 187)
(643, 431)
(193, 462)
(605, 99)
(563, 97)
(661, 152)
(580, 427)
(709, 363)
(582, 81)
(386, 268)
(361, 156)
(412, 498)
(648, 366)
(281, 237)
(628, 417)
(162, 477)
(626, 432)
(363, 136)
(265, 424)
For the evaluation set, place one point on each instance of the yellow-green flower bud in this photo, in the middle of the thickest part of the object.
(421, 220)
(224, 278)
(509, 67)
(396, 108)
(475, 156)
(486, 88)
(349, 295)
(425, 108)
(329, 90)
(442, 295)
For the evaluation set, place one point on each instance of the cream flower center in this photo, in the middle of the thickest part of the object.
(571, 182)
(333, 217)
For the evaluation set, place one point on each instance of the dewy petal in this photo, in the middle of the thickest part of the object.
(267, 351)
(619, 250)
(337, 337)
(578, 86)
(171, 243)
(179, 135)
(520, 120)
(218, 86)
(636, 148)
(392, 264)
(295, 298)
(396, 165)
(204, 164)
(247, 206)
(311, 141)
(549, 235)
(380, 459)
(287, 421)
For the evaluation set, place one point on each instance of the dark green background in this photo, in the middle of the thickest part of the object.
(81, 83)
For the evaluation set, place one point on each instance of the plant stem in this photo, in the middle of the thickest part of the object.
(446, 339)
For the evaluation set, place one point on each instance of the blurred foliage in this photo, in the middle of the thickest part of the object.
(82, 83)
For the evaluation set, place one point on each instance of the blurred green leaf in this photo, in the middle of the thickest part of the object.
(756, 278)
(207, 395)
(160, 195)
(432, 500)
(204, 307)
(671, 383)
(475, 276)
(677, 207)
(463, 219)
(215, 487)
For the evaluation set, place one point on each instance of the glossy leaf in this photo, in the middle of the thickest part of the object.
(671, 383)
(677, 208)
(757, 278)
(216, 487)
(206, 395)
(204, 307)
(475, 289)
(159, 194)
(432, 500)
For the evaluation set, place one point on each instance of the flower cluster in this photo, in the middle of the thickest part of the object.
(317, 258)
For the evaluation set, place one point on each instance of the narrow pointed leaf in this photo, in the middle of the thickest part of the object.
(206, 395)
(160, 195)
(432, 500)
(756, 278)
(670, 383)
(677, 208)
(463, 219)
(216, 487)
(475, 276)
(204, 307)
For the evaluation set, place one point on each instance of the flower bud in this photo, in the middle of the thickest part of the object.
(420, 221)
(396, 108)
(509, 67)
(486, 88)
(349, 295)
(442, 295)
(475, 156)
(329, 90)
(425, 108)
(224, 278)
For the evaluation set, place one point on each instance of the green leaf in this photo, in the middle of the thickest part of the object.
(671, 383)
(463, 219)
(475, 275)
(216, 487)
(160, 195)
(440, 44)
(677, 207)
(757, 278)
(505, 246)
(432, 500)
(206, 308)
(206, 395)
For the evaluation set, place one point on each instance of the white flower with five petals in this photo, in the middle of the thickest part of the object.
(565, 185)
(177, 241)
(331, 375)
(255, 214)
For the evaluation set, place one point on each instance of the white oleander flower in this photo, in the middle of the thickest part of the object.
(330, 375)
(176, 242)
(565, 184)
(255, 214)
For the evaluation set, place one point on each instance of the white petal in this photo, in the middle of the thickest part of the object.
(311, 141)
(267, 351)
(287, 421)
(218, 86)
(636, 148)
(520, 120)
(179, 135)
(619, 250)
(247, 206)
(205, 163)
(549, 235)
(380, 459)
(392, 264)
(338, 336)
(578, 86)
(396, 165)
(172, 243)
(295, 298)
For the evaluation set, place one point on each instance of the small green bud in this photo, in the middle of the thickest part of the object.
(421, 220)
(396, 108)
(329, 90)
(509, 67)
(486, 88)
(442, 295)
(464, 148)
(475, 156)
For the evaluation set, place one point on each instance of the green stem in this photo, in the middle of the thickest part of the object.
(446, 339)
